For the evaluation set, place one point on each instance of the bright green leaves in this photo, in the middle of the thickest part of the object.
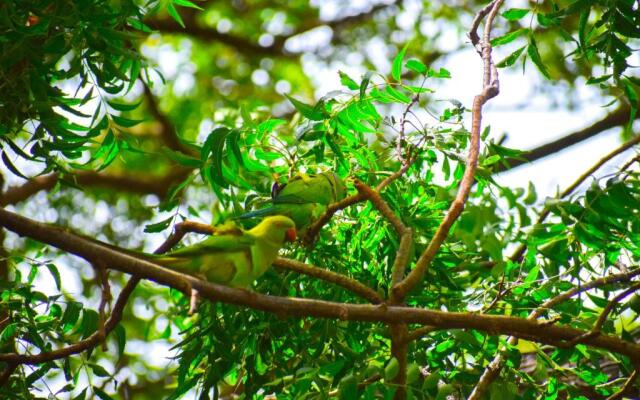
(314, 113)
(396, 67)
(173, 12)
(514, 14)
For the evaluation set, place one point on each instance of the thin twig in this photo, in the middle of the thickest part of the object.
(625, 388)
(104, 329)
(329, 276)
(420, 332)
(602, 318)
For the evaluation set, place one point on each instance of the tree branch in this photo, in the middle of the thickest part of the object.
(491, 88)
(492, 324)
(625, 388)
(617, 117)
(492, 371)
(210, 34)
(520, 250)
(142, 185)
(92, 341)
(351, 285)
(168, 131)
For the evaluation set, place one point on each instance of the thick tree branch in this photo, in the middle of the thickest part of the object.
(142, 185)
(283, 263)
(490, 89)
(618, 117)
(492, 324)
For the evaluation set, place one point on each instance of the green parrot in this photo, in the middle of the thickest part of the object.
(232, 257)
(303, 199)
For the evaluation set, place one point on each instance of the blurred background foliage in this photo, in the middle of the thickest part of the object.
(129, 116)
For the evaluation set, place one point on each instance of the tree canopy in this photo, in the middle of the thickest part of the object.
(143, 125)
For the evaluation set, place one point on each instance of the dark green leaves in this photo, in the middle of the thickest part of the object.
(532, 51)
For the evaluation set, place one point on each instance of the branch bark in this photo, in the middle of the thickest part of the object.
(142, 185)
(297, 307)
(618, 117)
(490, 89)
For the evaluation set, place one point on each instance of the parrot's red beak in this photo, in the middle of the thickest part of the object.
(291, 234)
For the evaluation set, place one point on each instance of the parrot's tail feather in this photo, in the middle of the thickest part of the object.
(257, 213)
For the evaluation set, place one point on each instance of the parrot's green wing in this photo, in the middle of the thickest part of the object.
(216, 243)
(324, 188)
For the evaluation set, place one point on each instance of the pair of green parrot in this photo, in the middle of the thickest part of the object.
(235, 257)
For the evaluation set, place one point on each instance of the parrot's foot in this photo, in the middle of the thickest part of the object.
(193, 302)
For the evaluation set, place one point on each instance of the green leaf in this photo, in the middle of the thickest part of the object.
(9, 164)
(171, 9)
(158, 226)
(532, 51)
(397, 95)
(514, 14)
(53, 270)
(396, 68)
(121, 338)
(71, 314)
(123, 106)
(89, 322)
(99, 370)
(101, 393)
(366, 78)
(508, 38)
(345, 80)
(8, 332)
(511, 58)
(213, 150)
(391, 369)
(417, 66)
(441, 73)
(311, 112)
(186, 3)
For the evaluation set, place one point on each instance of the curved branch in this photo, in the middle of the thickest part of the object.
(617, 117)
(168, 131)
(210, 34)
(490, 89)
(333, 277)
(492, 324)
(142, 185)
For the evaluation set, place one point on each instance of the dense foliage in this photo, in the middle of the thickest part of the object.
(121, 119)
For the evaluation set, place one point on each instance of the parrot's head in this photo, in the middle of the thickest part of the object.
(278, 227)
